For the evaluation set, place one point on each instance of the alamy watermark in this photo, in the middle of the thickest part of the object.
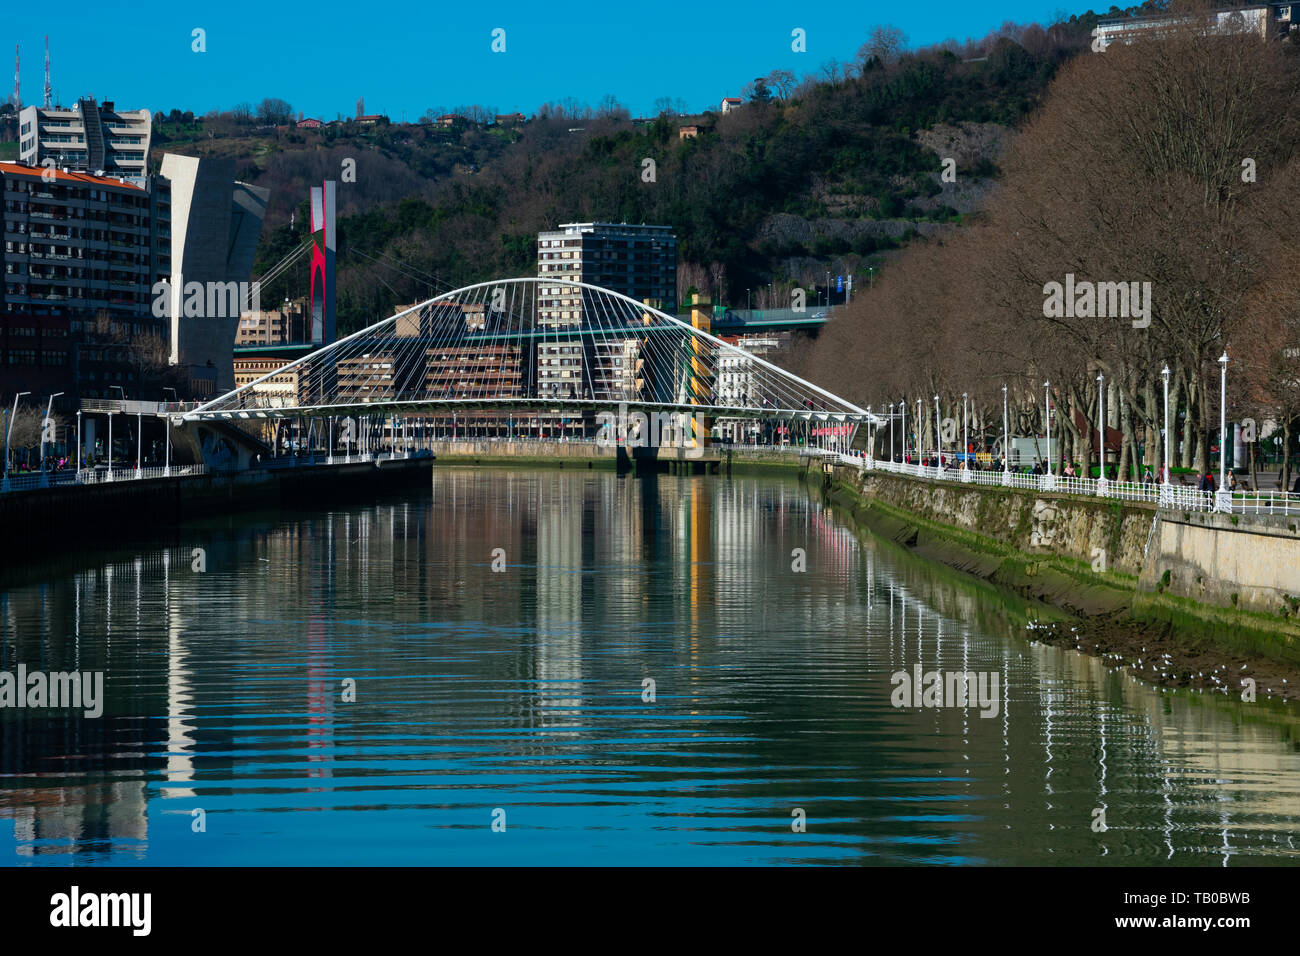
(129, 910)
(208, 300)
(60, 690)
(947, 689)
(1098, 300)
(638, 429)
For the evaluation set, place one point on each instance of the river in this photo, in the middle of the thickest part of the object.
(571, 667)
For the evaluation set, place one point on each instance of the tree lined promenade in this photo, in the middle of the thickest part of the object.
(1155, 171)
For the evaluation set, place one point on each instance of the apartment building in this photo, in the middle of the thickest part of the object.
(286, 325)
(638, 261)
(89, 137)
(82, 254)
(285, 389)
(367, 378)
(737, 380)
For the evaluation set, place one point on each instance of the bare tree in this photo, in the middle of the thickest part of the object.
(781, 83)
(1132, 171)
(611, 109)
(885, 44)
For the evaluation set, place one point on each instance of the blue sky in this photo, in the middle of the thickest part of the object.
(405, 57)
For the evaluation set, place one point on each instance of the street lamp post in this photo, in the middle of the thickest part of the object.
(139, 441)
(167, 455)
(1101, 433)
(919, 456)
(1225, 496)
(1047, 417)
(9, 427)
(110, 446)
(78, 441)
(1006, 456)
(1166, 490)
(49, 407)
(902, 426)
(965, 442)
(938, 435)
(891, 433)
(870, 435)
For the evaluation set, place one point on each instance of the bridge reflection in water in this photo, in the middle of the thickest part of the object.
(522, 689)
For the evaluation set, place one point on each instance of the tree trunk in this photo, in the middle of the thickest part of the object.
(1069, 433)
(1202, 414)
(1126, 436)
(1254, 473)
(1089, 433)
(1153, 453)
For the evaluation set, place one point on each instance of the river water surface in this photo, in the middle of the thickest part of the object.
(649, 678)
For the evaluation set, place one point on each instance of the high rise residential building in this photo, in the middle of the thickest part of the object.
(638, 261)
(81, 256)
(89, 138)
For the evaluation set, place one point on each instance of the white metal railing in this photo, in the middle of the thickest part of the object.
(26, 481)
(1171, 497)
(100, 476)
(134, 406)
(95, 476)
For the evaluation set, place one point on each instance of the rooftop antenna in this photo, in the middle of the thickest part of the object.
(18, 99)
(48, 101)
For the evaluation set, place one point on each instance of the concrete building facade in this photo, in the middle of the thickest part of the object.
(638, 261)
(89, 137)
(81, 255)
(215, 225)
(286, 325)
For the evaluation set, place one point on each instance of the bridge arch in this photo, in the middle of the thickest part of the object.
(535, 345)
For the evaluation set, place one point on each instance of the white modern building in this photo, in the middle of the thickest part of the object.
(215, 225)
(89, 138)
(737, 381)
(1265, 20)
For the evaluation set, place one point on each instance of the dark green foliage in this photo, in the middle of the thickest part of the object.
(835, 149)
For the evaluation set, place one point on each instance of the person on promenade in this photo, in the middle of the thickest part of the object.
(1207, 482)
(1147, 477)
(1232, 481)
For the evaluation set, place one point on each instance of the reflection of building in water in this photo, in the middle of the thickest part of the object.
(701, 554)
(93, 771)
(561, 520)
(740, 541)
(180, 726)
(685, 508)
